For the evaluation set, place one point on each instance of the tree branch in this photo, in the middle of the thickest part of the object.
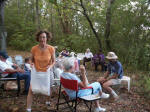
(91, 25)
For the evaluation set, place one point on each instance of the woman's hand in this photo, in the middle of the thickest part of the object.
(20, 70)
(48, 67)
(102, 80)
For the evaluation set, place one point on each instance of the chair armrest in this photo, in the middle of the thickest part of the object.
(89, 87)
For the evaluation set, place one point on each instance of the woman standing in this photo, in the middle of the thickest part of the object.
(43, 58)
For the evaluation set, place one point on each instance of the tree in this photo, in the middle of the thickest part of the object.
(2, 28)
(91, 25)
(108, 24)
(37, 15)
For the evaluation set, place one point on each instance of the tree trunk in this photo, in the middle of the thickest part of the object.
(2, 28)
(64, 21)
(108, 23)
(61, 20)
(33, 11)
(91, 25)
(37, 14)
(18, 5)
(51, 20)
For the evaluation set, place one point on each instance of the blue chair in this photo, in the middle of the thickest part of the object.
(19, 60)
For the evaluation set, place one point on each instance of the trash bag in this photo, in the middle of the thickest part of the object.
(40, 82)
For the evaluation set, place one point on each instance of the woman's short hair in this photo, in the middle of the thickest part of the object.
(68, 63)
(48, 35)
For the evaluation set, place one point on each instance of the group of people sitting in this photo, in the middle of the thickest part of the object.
(112, 76)
(43, 58)
(97, 59)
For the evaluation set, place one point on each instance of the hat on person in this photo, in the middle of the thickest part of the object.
(111, 55)
(3, 54)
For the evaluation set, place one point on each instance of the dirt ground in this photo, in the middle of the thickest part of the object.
(127, 102)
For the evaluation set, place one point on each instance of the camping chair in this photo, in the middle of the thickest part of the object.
(19, 60)
(73, 85)
(10, 79)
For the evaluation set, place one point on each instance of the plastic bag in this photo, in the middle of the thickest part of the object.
(40, 82)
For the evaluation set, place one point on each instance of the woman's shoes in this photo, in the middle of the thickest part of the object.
(104, 95)
(99, 109)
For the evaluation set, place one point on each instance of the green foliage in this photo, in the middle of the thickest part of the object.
(128, 38)
(145, 84)
(20, 42)
(75, 43)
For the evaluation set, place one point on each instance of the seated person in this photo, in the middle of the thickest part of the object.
(99, 59)
(68, 73)
(113, 74)
(13, 70)
(88, 56)
(58, 69)
(64, 53)
(27, 64)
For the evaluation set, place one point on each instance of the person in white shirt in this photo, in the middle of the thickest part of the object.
(88, 56)
(13, 71)
(58, 69)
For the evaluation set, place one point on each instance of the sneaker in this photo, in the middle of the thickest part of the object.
(99, 109)
(104, 95)
(28, 110)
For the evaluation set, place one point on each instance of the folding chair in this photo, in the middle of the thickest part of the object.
(19, 60)
(10, 79)
(73, 85)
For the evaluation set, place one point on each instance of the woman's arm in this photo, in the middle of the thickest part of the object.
(52, 61)
(84, 82)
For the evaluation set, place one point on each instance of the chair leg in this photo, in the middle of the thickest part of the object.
(70, 106)
(58, 97)
(128, 85)
(75, 106)
(91, 106)
(18, 83)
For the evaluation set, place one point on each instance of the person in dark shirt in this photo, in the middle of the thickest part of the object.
(99, 59)
(64, 53)
(113, 74)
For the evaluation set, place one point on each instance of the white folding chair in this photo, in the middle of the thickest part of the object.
(126, 79)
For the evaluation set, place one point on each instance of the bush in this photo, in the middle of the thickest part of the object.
(145, 85)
